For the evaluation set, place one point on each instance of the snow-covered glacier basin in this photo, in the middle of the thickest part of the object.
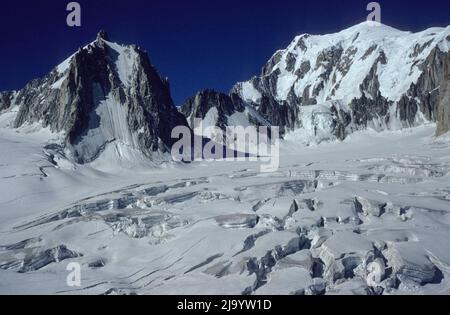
(313, 227)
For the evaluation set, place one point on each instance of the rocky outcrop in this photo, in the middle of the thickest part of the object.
(326, 87)
(435, 86)
(220, 110)
(277, 113)
(431, 94)
(109, 88)
(443, 118)
(6, 99)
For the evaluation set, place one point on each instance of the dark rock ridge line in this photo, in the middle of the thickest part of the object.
(198, 106)
(68, 100)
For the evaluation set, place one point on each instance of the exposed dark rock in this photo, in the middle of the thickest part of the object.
(301, 42)
(278, 114)
(342, 120)
(6, 99)
(290, 62)
(38, 259)
(199, 105)
(100, 263)
(365, 109)
(305, 67)
(430, 95)
(329, 59)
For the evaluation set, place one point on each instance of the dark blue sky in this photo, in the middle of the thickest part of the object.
(197, 44)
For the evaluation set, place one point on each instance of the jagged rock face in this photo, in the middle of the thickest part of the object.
(103, 94)
(220, 110)
(282, 115)
(6, 99)
(436, 80)
(384, 79)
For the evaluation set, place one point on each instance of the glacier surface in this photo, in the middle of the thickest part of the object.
(313, 227)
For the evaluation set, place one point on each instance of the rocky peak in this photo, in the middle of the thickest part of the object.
(102, 35)
(359, 69)
(105, 95)
(213, 103)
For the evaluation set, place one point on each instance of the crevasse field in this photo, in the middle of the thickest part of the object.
(312, 227)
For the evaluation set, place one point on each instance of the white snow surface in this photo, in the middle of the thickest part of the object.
(209, 126)
(395, 77)
(312, 227)
(124, 58)
(204, 228)
(108, 123)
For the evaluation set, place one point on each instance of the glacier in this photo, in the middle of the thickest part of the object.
(312, 227)
(363, 184)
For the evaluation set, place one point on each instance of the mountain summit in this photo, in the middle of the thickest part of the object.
(366, 76)
(104, 96)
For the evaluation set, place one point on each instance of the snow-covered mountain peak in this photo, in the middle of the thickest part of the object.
(379, 73)
(102, 35)
(104, 97)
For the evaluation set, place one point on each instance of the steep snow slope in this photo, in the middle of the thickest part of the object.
(388, 79)
(356, 49)
(105, 95)
(215, 109)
